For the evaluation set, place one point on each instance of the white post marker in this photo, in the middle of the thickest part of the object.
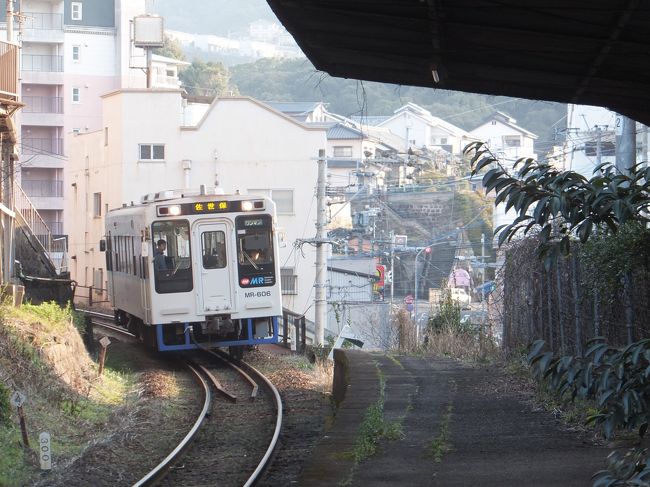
(18, 399)
(45, 451)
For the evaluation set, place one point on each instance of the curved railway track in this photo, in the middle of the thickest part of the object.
(232, 441)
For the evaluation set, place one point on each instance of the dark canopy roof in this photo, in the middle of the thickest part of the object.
(594, 52)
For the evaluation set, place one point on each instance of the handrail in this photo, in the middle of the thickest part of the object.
(54, 248)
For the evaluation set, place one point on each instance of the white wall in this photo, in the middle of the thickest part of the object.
(494, 135)
(274, 152)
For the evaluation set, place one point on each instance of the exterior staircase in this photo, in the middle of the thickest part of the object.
(30, 222)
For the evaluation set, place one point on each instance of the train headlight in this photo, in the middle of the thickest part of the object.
(174, 210)
(246, 205)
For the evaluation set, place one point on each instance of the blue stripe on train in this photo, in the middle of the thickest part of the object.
(189, 345)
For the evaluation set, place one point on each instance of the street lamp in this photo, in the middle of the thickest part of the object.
(426, 250)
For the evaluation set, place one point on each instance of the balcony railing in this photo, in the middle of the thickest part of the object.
(43, 21)
(44, 63)
(42, 104)
(42, 146)
(8, 69)
(42, 188)
(56, 228)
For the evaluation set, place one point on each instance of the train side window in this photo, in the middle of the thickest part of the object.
(175, 275)
(213, 249)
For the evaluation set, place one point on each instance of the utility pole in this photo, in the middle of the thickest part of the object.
(392, 271)
(10, 20)
(599, 157)
(321, 259)
(625, 144)
(483, 314)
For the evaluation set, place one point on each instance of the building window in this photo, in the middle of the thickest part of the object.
(76, 95)
(152, 152)
(443, 140)
(343, 151)
(98, 279)
(512, 141)
(76, 50)
(105, 136)
(97, 205)
(283, 199)
(288, 281)
(76, 10)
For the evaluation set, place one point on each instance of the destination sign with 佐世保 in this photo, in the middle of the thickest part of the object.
(206, 207)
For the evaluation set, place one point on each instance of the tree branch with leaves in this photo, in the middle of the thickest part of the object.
(561, 204)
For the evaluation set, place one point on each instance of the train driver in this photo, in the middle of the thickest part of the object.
(159, 262)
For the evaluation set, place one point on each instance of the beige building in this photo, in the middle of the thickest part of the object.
(152, 140)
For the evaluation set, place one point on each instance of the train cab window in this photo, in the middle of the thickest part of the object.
(213, 249)
(171, 256)
(255, 261)
(255, 249)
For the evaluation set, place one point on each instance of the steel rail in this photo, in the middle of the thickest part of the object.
(160, 470)
(278, 407)
(278, 427)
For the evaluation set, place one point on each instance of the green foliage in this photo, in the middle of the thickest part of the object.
(448, 316)
(298, 80)
(629, 468)
(50, 313)
(5, 406)
(373, 428)
(440, 445)
(561, 204)
(617, 379)
(607, 257)
(171, 48)
(206, 79)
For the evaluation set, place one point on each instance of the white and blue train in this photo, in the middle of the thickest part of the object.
(195, 269)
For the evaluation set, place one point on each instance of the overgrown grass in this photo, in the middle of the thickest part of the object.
(462, 343)
(50, 315)
(440, 445)
(372, 430)
(32, 338)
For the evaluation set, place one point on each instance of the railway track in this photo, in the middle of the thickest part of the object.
(232, 440)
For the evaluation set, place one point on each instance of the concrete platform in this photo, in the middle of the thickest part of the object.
(491, 436)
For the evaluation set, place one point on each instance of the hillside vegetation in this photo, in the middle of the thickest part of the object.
(42, 356)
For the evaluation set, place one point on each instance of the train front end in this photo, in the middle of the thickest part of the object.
(212, 275)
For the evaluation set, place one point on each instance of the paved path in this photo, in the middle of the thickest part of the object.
(487, 435)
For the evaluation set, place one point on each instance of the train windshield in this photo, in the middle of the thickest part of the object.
(255, 251)
(171, 256)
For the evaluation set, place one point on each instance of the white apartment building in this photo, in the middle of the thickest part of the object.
(72, 53)
(419, 128)
(148, 143)
(507, 140)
